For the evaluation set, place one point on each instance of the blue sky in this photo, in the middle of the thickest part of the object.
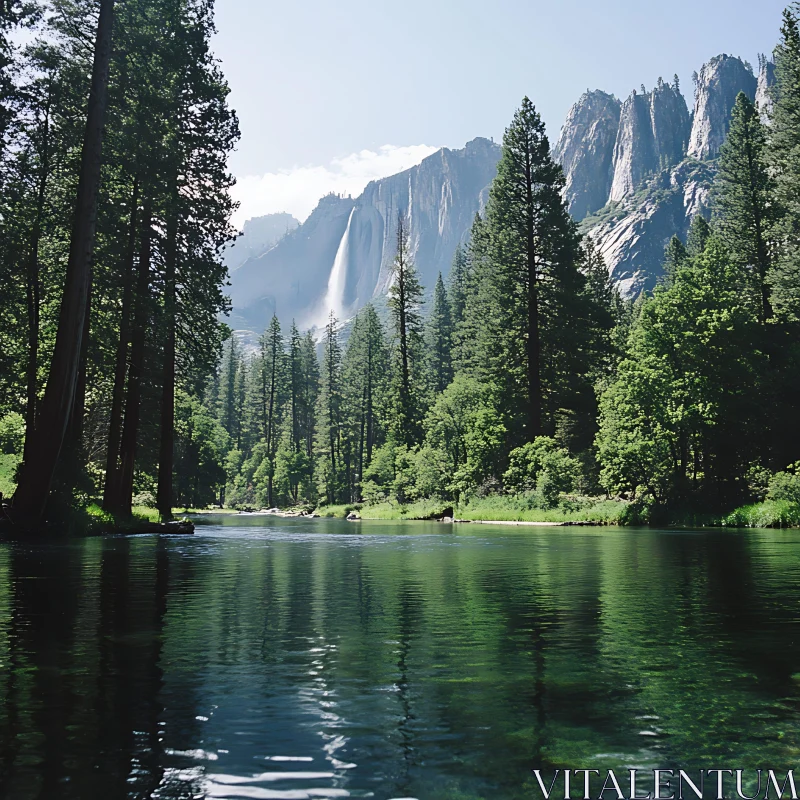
(331, 93)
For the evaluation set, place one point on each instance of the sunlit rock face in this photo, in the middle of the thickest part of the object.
(339, 259)
(720, 80)
(632, 234)
(653, 130)
(766, 80)
(585, 150)
(636, 172)
(661, 164)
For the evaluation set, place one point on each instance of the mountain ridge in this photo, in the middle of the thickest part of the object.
(636, 172)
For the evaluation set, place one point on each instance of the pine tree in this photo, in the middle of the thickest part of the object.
(296, 450)
(675, 257)
(699, 234)
(783, 157)
(310, 388)
(533, 253)
(365, 368)
(330, 440)
(57, 405)
(438, 340)
(405, 300)
(270, 391)
(473, 301)
(744, 209)
(230, 383)
(685, 415)
(457, 286)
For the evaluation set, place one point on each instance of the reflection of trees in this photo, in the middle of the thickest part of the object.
(410, 608)
(80, 702)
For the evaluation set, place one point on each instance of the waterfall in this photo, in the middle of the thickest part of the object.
(334, 298)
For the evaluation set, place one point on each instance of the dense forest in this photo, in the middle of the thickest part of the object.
(115, 207)
(524, 383)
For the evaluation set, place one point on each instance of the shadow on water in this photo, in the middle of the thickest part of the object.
(81, 644)
(298, 660)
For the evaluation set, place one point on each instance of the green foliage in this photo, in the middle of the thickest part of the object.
(686, 405)
(405, 301)
(8, 470)
(544, 466)
(379, 474)
(675, 259)
(438, 340)
(786, 485)
(536, 316)
(365, 377)
(464, 431)
(526, 508)
(333, 450)
(783, 158)
(769, 514)
(12, 433)
(201, 447)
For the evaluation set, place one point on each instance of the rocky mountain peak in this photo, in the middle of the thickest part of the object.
(718, 83)
(766, 80)
(652, 135)
(585, 149)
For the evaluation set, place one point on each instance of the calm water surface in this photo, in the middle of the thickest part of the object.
(322, 659)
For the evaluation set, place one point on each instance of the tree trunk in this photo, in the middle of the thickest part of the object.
(48, 436)
(33, 288)
(74, 439)
(167, 445)
(118, 392)
(130, 431)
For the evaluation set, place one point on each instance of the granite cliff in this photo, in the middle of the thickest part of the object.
(662, 165)
(585, 149)
(339, 258)
(636, 173)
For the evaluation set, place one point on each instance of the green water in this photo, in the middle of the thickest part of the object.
(297, 659)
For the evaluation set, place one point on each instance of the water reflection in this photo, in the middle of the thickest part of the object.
(325, 660)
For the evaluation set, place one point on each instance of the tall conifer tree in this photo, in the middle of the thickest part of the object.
(533, 249)
(405, 301)
(743, 202)
(783, 156)
(438, 340)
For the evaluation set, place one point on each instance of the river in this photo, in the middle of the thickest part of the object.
(291, 659)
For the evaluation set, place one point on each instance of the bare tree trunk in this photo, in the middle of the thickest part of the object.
(54, 416)
(130, 431)
(118, 392)
(167, 445)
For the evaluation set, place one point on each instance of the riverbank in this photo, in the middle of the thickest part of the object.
(142, 520)
(572, 511)
(504, 510)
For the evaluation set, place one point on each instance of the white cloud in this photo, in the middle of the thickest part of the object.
(299, 189)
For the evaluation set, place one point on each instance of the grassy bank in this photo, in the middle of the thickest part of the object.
(489, 509)
(99, 520)
(503, 508)
(769, 514)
